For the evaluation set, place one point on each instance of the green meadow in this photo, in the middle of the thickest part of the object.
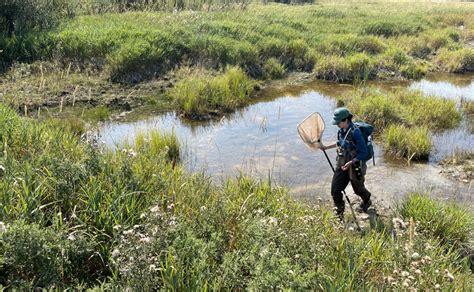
(77, 215)
(344, 43)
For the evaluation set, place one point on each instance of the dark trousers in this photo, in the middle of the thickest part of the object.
(340, 180)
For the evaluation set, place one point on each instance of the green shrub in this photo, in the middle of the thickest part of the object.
(353, 67)
(333, 68)
(375, 107)
(392, 28)
(350, 44)
(198, 95)
(33, 255)
(413, 70)
(18, 17)
(437, 112)
(458, 61)
(135, 57)
(295, 53)
(361, 66)
(409, 143)
(42, 257)
(452, 224)
(273, 69)
(412, 108)
(388, 65)
(271, 47)
(97, 114)
(155, 142)
(418, 47)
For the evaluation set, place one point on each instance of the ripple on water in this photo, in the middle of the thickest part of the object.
(262, 139)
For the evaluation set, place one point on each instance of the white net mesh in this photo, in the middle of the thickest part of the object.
(311, 129)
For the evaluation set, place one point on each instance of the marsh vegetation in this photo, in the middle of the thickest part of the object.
(75, 214)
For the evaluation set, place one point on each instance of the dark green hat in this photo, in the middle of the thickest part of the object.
(340, 114)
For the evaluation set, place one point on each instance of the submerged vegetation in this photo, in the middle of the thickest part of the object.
(74, 215)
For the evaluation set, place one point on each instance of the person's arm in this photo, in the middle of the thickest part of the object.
(326, 147)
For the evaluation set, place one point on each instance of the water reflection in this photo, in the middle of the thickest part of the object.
(262, 140)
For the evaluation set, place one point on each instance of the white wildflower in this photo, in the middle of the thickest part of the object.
(128, 232)
(71, 237)
(115, 253)
(117, 227)
(405, 274)
(415, 256)
(3, 228)
(449, 275)
(397, 222)
(145, 239)
(203, 209)
(155, 209)
(406, 283)
(152, 268)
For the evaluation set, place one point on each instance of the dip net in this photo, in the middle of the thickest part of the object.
(311, 130)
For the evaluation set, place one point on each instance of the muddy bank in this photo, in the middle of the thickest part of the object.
(459, 168)
(27, 87)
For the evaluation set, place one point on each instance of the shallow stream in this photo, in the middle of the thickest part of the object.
(261, 139)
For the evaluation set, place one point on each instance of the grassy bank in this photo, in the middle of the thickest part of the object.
(369, 42)
(74, 215)
(124, 60)
(404, 118)
(337, 42)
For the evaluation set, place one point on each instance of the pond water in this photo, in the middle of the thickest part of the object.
(261, 140)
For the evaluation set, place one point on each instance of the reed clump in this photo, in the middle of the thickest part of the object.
(411, 108)
(410, 143)
(450, 223)
(201, 94)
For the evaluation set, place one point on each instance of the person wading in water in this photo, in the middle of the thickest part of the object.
(350, 162)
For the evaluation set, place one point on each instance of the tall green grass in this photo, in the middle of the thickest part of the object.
(201, 94)
(411, 108)
(134, 46)
(409, 143)
(76, 216)
(457, 61)
(450, 223)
